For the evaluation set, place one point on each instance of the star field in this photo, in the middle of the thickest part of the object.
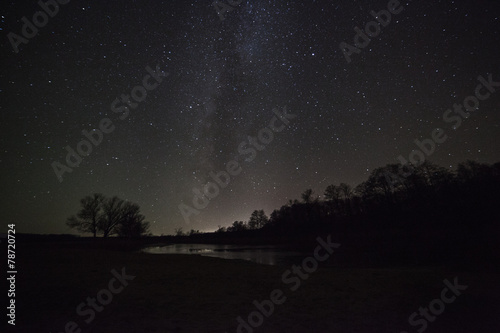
(224, 80)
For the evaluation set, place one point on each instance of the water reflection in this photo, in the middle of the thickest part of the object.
(266, 255)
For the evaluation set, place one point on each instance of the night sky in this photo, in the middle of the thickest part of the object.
(220, 82)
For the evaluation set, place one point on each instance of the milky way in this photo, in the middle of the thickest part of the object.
(225, 78)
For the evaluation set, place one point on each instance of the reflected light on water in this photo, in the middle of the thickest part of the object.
(265, 255)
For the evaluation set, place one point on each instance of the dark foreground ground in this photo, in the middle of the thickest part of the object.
(175, 293)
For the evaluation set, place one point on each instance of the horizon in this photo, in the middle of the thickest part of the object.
(316, 196)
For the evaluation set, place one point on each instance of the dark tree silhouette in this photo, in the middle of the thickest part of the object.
(332, 196)
(471, 169)
(179, 232)
(332, 193)
(109, 216)
(258, 219)
(112, 216)
(307, 196)
(87, 219)
(346, 190)
(131, 222)
(400, 214)
(237, 226)
(194, 232)
(221, 229)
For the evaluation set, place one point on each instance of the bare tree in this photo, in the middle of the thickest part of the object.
(88, 218)
(179, 232)
(112, 214)
(131, 222)
(194, 232)
(109, 216)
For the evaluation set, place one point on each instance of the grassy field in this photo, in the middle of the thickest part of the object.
(176, 293)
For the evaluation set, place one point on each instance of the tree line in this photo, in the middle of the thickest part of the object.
(429, 190)
(428, 194)
(99, 215)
